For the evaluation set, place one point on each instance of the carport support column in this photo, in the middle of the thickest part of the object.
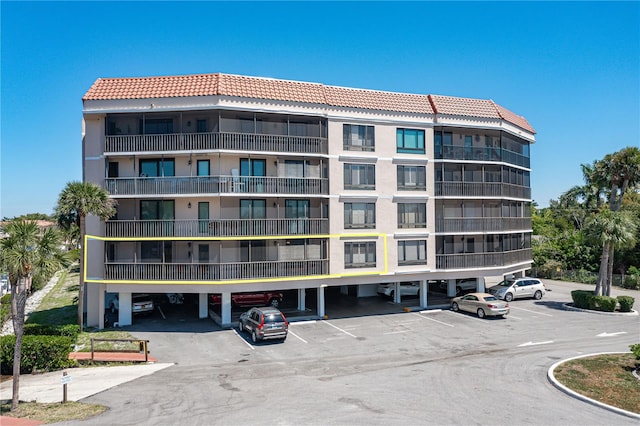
(302, 299)
(226, 308)
(203, 307)
(480, 285)
(397, 297)
(451, 288)
(321, 301)
(423, 293)
(124, 309)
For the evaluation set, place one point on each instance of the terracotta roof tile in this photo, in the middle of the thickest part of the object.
(378, 100)
(266, 88)
(518, 120)
(296, 91)
(153, 87)
(463, 106)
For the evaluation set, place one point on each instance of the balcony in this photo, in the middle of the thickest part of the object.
(248, 142)
(216, 185)
(484, 154)
(483, 224)
(481, 260)
(481, 189)
(215, 228)
(214, 272)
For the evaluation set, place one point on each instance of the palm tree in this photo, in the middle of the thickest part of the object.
(24, 254)
(621, 171)
(615, 230)
(79, 199)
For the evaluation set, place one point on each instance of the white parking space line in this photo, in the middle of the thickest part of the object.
(338, 328)
(242, 338)
(297, 337)
(511, 316)
(528, 310)
(302, 322)
(397, 332)
(431, 319)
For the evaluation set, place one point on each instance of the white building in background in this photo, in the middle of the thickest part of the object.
(230, 183)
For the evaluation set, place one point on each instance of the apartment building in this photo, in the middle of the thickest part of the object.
(229, 184)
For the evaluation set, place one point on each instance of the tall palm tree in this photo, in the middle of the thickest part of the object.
(24, 254)
(615, 230)
(79, 199)
(621, 170)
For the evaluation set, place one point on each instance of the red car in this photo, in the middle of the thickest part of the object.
(267, 298)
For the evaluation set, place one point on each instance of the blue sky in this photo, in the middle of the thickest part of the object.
(572, 69)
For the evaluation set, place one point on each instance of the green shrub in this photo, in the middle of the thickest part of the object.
(626, 303)
(39, 353)
(69, 330)
(581, 298)
(602, 303)
(6, 299)
(636, 350)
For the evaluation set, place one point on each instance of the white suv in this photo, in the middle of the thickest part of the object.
(511, 288)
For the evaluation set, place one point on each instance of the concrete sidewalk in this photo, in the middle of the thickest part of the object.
(85, 382)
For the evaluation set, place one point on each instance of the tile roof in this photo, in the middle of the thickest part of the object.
(296, 91)
(373, 99)
(450, 105)
(153, 87)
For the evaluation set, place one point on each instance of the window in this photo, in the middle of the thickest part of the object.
(157, 126)
(203, 217)
(410, 141)
(360, 255)
(412, 215)
(157, 167)
(112, 169)
(359, 215)
(201, 126)
(203, 253)
(358, 138)
(412, 178)
(157, 209)
(204, 168)
(412, 252)
(360, 176)
(253, 209)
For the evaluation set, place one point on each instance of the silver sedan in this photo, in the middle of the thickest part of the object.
(481, 304)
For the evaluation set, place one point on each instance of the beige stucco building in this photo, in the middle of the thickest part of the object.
(230, 184)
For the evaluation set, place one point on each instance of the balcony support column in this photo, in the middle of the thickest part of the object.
(302, 293)
(203, 308)
(423, 293)
(226, 309)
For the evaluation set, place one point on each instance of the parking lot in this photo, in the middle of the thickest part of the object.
(529, 323)
(419, 367)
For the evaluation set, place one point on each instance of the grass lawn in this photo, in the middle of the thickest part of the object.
(605, 378)
(60, 307)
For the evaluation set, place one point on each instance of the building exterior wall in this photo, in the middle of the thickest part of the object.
(200, 253)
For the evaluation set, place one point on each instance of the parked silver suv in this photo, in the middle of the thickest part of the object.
(517, 288)
(264, 323)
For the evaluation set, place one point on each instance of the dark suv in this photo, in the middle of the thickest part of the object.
(266, 298)
(264, 323)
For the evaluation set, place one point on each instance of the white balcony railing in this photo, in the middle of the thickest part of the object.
(483, 224)
(214, 271)
(479, 260)
(215, 185)
(214, 141)
(216, 228)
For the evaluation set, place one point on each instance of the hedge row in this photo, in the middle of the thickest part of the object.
(69, 330)
(585, 299)
(39, 353)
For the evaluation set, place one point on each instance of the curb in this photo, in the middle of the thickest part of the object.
(563, 388)
(570, 307)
